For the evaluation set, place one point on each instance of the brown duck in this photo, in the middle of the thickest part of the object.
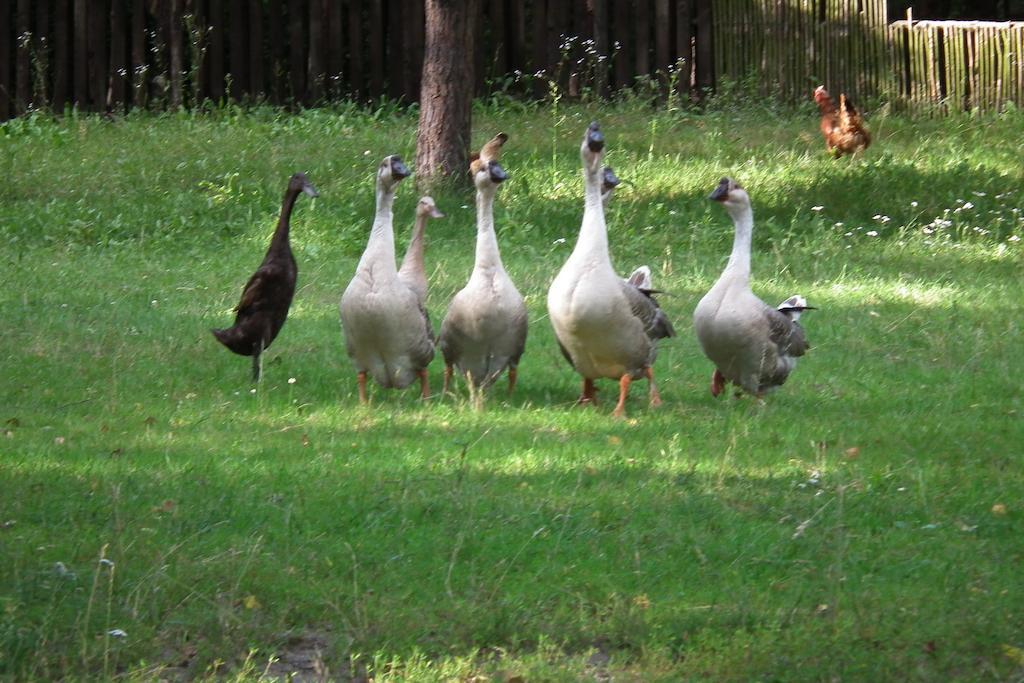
(268, 294)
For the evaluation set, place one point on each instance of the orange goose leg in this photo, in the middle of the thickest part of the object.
(447, 379)
(589, 395)
(361, 380)
(620, 407)
(424, 384)
(717, 383)
(653, 393)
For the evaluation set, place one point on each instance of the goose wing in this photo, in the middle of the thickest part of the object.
(256, 291)
(645, 308)
(785, 333)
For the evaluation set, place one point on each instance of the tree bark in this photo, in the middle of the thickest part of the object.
(446, 91)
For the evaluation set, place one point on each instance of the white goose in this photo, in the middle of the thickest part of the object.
(412, 271)
(484, 331)
(606, 327)
(752, 345)
(387, 332)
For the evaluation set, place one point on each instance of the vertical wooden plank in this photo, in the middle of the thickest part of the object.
(118, 57)
(81, 51)
(396, 49)
(355, 49)
(539, 49)
(140, 77)
(257, 72)
(375, 51)
(705, 47)
(61, 55)
(498, 51)
(315, 58)
(481, 53)
(22, 70)
(516, 32)
(176, 49)
(642, 37)
(215, 54)
(414, 44)
(297, 51)
(41, 74)
(662, 26)
(599, 20)
(238, 52)
(684, 36)
(97, 40)
(6, 63)
(278, 62)
(335, 39)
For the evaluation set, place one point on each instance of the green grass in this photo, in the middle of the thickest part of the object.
(845, 530)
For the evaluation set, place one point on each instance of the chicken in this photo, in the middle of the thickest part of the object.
(842, 127)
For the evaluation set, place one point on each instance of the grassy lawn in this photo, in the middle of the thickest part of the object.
(160, 518)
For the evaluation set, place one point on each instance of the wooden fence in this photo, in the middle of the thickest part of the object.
(958, 64)
(787, 47)
(111, 55)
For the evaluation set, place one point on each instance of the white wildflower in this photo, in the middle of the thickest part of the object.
(913, 204)
(1014, 238)
(817, 208)
(872, 233)
(291, 380)
(117, 633)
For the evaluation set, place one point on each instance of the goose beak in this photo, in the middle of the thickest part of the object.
(496, 172)
(611, 181)
(398, 169)
(310, 190)
(595, 140)
(721, 192)
(434, 213)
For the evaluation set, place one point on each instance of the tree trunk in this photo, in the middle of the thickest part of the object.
(446, 92)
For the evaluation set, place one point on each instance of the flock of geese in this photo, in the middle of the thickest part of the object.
(606, 326)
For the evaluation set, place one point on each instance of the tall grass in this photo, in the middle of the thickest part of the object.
(160, 517)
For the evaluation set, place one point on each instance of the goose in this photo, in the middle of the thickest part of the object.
(605, 326)
(484, 330)
(267, 295)
(387, 332)
(752, 345)
(412, 272)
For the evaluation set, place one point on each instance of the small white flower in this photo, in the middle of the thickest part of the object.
(877, 216)
(154, 302)
(968, 205)
(560, 240)
(671, 212)
(849, 234)
(1014, 238)
(872, 233)
(913, 203)
(291, 380)
(252, 391)
(817, 208)
(838, 225)
(978, 194)
(117, 633)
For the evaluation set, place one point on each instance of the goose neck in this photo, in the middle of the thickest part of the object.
(593, 231)
(280, 240)
(487, 254)
(739, 259)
